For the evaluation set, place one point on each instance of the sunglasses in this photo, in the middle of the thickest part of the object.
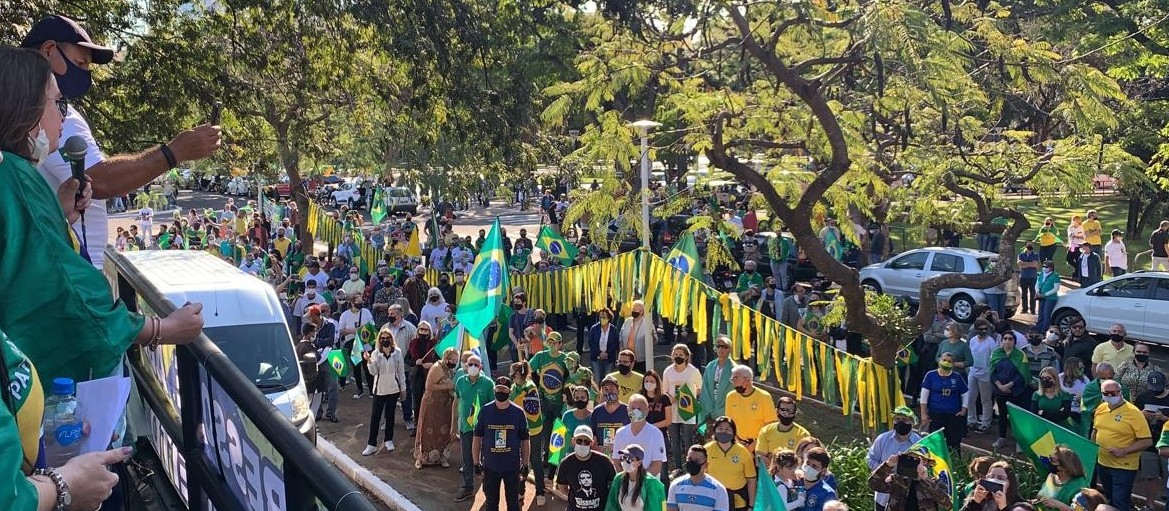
(723, 347)
(1112, 393)
(474, 365)
(383, 338)
(629, 459)
(583, 441)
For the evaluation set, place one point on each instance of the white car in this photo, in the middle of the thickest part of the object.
(351, 193)
(1139, 301)
(903, 274)
(400, 199)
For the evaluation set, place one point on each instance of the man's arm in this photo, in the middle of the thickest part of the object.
(123, 174)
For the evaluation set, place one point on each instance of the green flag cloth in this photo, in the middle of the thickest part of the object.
(683, 256)
(486, 287)
(767, 496)
(336, 361)
(906, 356)
(501, 338)
(687, 404)
(556, 442)
(365, 337)
(552, 242)
(450, 340)
(519, 260)
(378, 210)
(1038, 437)
(933, 448)
(473, 417)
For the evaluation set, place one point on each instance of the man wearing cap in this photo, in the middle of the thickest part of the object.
(71, 52)
(585, 475)
(1154, 404)
(892, 443)
(1115, 254)
(1122, 433)
(501, 448)
(310, 297)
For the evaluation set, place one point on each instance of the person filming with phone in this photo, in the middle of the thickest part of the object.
(906, 479)
(995, 492)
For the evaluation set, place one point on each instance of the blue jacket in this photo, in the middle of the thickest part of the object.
(611, 348)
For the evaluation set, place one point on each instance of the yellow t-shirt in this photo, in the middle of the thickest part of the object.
(771, 438)
(1089, 225)
(281, 244)
(1121, 427)
(1104, 352)
(627, 385)
(731, 468)
(750, 413)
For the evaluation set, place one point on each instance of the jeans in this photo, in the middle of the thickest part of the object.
(779, 271)
(329, 392)
(980, 390)
(465, 440)
(1117, 271)
(681, 437)
(997, 303)
(600, 369)
(511, 490)
(539, 455)
(382, 405)
(1001, 400)
(1046, 307)
(359, 371)
(1118, 484)
(1027, 292)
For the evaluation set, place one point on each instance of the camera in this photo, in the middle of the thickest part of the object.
(991, 486)
(907, 466)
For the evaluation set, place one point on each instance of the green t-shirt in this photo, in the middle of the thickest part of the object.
(1065, 492)
(583, 376)
(468, 392)
(527, 397)
(746, 280)
(571, 422)
(550, 373)
(1051, 404)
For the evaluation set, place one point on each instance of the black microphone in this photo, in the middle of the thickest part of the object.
(74, 151)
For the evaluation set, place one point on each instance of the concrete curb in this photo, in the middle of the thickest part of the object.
(364, 478)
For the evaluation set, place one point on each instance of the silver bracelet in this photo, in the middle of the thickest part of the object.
(63, 496)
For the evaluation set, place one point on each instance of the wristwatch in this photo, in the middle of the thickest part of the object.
(63, 496)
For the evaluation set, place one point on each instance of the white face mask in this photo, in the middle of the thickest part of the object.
(810, 474)
(473, 371)
(1113, 401)
(651, 386)
(582, 451)
(628, 467)
(41, 147)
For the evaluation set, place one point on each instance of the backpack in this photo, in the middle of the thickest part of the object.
(308, 364)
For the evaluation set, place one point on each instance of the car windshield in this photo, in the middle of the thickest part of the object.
(984, 263)
(399, 192)
(262, 352)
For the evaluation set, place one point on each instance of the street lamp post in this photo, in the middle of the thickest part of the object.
(643, 126)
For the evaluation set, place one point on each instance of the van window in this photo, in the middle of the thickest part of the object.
(262, 352)
(400, 192)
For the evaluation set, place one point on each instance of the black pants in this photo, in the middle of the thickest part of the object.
(360, 371)
(1027, 289)
(419, 387)
(955, 428)
(383, 405)
(1001, 402)
(511, 490)
(1073, 260)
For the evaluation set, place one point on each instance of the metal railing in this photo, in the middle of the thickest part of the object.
(308, 478)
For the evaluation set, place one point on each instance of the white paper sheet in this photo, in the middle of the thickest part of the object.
(101, 403)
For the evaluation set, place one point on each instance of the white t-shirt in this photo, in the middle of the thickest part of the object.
(56, 170)
(1117, 254)
(1076, 390)
(321, 278)
(650, 439)
(354, 320)
(672, 380)
(981, 349)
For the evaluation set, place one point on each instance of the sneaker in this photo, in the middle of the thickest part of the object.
(357, 395)
(541, 501)
(390, 445)
(418, 464)
(464, 494)
(369, 449)
(999, 443)
(409, 425)
(332, 418)
(446, 464)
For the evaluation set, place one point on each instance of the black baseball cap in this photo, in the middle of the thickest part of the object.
(64, 30)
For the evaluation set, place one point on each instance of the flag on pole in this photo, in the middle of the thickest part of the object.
(688, 406)
(365, 337)
(683, 256)
(767, 496)
(1038, 437)
(552, 242)
(336, 361)
(378, 210)
(556, 442)
(933, 448)
(486, 287)
(413, 247)
(457, 338)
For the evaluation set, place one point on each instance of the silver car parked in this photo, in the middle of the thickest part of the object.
(903, 274)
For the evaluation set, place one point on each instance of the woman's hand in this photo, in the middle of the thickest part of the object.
(70, 203)
(980, 494)
(183, 325)
(90, 481)
(1000, 499)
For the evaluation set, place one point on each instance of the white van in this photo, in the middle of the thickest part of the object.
(241, 315)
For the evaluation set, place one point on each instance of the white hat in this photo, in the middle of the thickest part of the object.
(582, 430)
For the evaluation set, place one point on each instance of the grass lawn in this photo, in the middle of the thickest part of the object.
(1112, 211)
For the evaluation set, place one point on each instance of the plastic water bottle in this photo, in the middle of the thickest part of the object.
(62, 424)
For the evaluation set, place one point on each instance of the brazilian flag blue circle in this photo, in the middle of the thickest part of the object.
(488, 277)
(681, 263)
(555, 248)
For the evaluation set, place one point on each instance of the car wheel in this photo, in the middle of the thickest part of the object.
(1064, 318)
(871, 285)
(962, 308)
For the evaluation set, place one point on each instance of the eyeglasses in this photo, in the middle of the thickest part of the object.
(1112, 393)
(723, 347)
(474, 365)
(62, 106)
(1077, 327)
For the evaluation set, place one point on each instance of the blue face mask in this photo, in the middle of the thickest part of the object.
(76, 81)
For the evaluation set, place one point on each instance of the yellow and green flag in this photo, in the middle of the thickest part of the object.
(687, 402)
(378, 210)
(336, 361)
(767, 496)
(683, 256)
(1038, 437)
(552, 242)
(486, 288)
(556, 442)
(933, 448)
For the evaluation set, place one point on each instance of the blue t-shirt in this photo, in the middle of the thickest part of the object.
(605, 424)
(945, 391)
(501, 432)
(817, 495)
(1028, 273)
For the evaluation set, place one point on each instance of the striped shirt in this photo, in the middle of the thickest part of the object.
(705, 495)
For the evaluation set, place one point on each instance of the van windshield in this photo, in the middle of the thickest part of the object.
(262, 352)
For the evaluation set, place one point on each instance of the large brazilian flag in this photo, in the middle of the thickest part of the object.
(683, 256)
(487, 286)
